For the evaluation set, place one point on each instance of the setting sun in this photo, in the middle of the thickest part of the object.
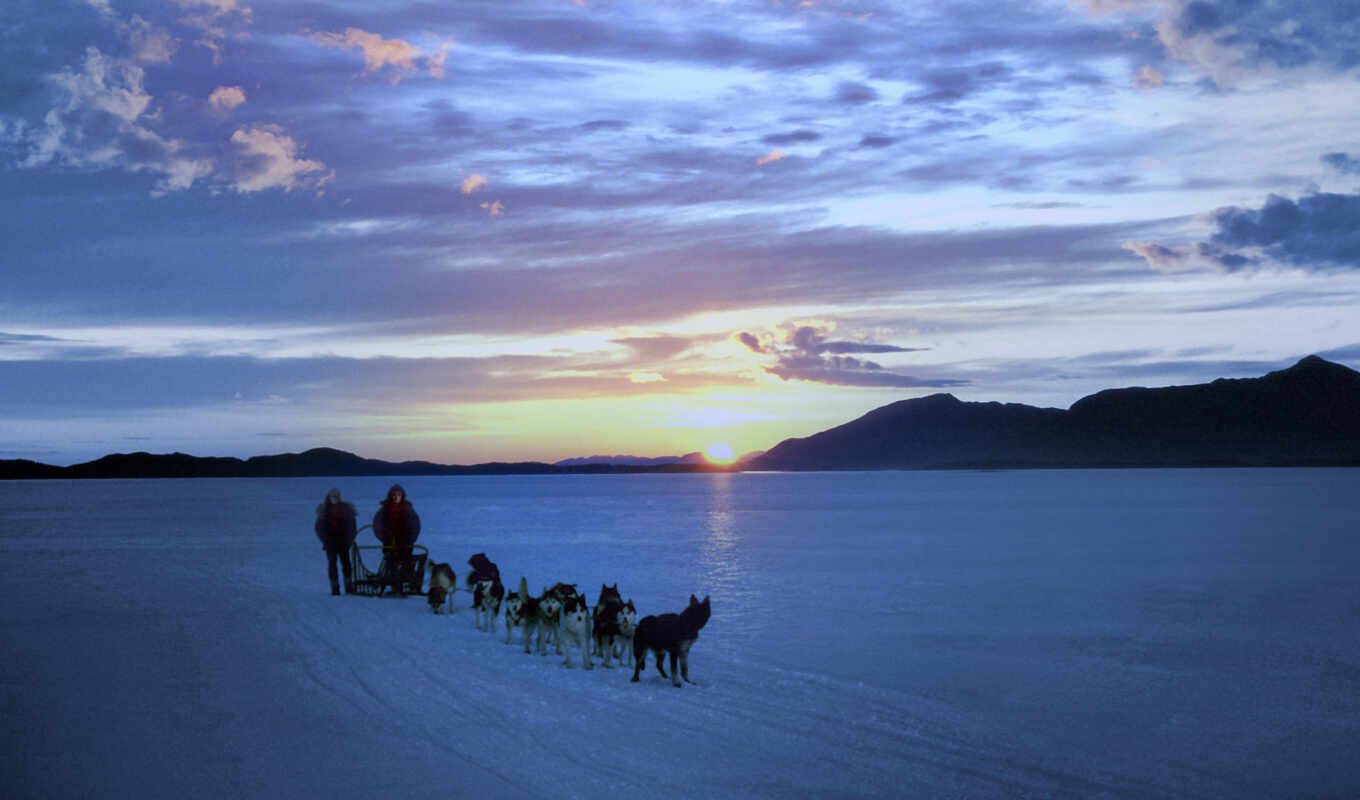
(719, 453)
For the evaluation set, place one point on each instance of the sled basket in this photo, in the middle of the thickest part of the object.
(390, 573)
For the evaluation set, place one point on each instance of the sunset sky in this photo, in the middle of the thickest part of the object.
(497, 230)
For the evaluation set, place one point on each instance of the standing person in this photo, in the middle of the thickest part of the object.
(335, 528)
(397, 526)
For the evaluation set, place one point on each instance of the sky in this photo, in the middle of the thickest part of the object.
(502, 231)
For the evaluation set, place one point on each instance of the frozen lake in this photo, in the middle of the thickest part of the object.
(1118, 633)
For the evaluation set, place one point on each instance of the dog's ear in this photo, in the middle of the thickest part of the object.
(694, 601)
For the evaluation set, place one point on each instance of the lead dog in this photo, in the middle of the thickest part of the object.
(442, 583)
(673, 634)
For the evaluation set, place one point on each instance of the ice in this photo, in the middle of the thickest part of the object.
(1097, 633)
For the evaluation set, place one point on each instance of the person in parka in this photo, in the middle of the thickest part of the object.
(335, 527)
(397, 526)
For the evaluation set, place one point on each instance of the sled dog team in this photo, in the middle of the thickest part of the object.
(561, 618)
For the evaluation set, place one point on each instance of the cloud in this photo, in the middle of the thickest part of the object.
(1229, 39)
(495, 209)
(1342, 162)
(150, 43)
(751, 341)
(1318, 231)
(210, 19)
(806, 355)
(271, 162)
(770, 157)
(226, 98)
(876, 141)
(101, 122)
(1196, 256)
(794, 137)
(605, 125)
(850, 93)
(1148, 77)
(472, 183)
(379, 53)
(952, 85)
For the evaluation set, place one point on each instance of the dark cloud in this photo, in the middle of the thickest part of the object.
(605, 125)
(793, 137)
(1318, 230)
(1343, 162)
(807, 355)
(875, 141)
(1224, 34)
(850, 93)
(952, 85)
(751, 342)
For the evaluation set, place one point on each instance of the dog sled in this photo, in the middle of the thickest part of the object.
(401, 575)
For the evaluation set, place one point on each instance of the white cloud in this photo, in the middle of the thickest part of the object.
(150, 43)
(272, 162)
(494, 209)
(210, 17)
(380, 54)
(472, 183)
(226, 98)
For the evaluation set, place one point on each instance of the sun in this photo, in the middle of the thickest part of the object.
(719, 453)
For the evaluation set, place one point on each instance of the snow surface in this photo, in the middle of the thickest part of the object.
(1177, 633)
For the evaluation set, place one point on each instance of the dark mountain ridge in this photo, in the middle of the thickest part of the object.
(1306, 415)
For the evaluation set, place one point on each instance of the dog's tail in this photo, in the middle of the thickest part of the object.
(523, 589)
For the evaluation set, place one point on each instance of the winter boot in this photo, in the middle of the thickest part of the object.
(335, 588)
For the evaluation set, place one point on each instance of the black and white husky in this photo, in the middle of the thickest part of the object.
(574, 629)
(442, 583)
(673, 634)
(521, 611)
(550, 617)
(487, 591)
(607, 617)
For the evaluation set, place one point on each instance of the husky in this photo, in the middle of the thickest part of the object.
(575, 629)
(605, 625)
(623, 637)
(487, 591)
(442, 583)
(486, 599)
(522, 611)
(550, 618)
(673, 634)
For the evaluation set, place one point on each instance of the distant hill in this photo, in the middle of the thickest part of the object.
(318, 461)
(632, 461)
(1306, 415)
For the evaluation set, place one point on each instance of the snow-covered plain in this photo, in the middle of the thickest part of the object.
(1177, 633)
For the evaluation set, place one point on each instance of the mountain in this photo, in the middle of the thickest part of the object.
(1308, 414)
(632, 461)
(318, 461)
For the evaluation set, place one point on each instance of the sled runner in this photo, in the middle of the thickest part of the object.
(401, 578)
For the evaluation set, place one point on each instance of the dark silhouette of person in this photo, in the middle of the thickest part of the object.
(397, 526)
(335, 528)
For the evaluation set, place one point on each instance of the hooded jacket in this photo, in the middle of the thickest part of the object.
(399, 529)
(336, 531)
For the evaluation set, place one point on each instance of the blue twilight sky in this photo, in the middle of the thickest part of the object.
(505, 230)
